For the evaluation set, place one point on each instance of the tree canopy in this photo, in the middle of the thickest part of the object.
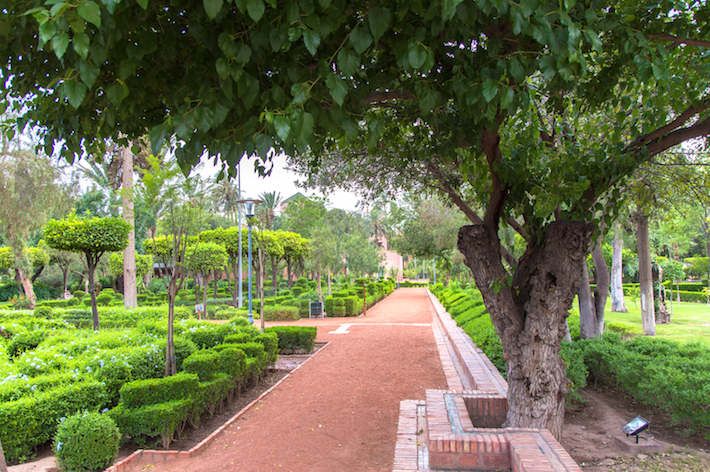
(94, 236)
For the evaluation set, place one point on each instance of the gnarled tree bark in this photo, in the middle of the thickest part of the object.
(530, 314)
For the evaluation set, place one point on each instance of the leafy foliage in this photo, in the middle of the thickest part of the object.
(86, 442)
(88, 235)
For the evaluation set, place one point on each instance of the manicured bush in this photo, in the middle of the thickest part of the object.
(22, 342)
(688, 296)
(206, 336)
(44, 311)
(104, 299)
(86, 442)
(669, 376)
(158, 390)
(32, 420)
(270, 341)
(152, 421)
(237, 338)
(281, 313)
(204, 363)
(14, 389)
(294, 339)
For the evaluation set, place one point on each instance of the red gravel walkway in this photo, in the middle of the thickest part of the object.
(339, 411)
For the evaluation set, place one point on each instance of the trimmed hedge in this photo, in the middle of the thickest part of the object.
(294, 339)
(152, 421)
(669, 376)
(158, 390)
(31, 421)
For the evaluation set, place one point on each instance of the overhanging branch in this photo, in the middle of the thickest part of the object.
(680, 41)
(453, 193)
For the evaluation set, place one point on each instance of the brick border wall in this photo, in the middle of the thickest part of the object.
(462, 425)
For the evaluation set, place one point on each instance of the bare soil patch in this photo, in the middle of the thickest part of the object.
(591, 432)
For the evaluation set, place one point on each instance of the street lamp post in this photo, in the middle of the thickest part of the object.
(249, 205)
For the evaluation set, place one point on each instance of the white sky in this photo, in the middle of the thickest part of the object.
(281, 180)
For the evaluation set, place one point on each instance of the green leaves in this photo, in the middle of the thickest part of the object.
(311, 39)
(143, 4)
(448, 8)
(282, 127)
(416, 55)
(337, 87)
(255, 9)
(490, 89)
(90, 12)
(348, 62)
(360, 38)
(60, 43)
(212, 7)
(379, 19)
(81, 44)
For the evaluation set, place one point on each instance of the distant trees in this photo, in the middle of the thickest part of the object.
(204, 259)
(30, 194)
(93, 237)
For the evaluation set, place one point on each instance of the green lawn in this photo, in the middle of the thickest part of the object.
(689, 321)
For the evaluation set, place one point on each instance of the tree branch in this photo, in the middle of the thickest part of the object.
(453, 194)
(669, 127)
(513, 223)
(490, 143)
(700, 128)
(680, 41)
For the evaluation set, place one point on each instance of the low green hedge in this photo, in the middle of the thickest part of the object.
(294, 339)
(158, 390)
(669, 376)
(31, 421)
(281, 313)
(153, 421)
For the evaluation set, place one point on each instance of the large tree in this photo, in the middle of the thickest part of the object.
(30, 193)
(491, 102)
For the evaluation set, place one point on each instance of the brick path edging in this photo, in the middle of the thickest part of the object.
(460, 428)
(154, 455)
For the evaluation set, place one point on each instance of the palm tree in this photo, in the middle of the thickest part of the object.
(267, 208)
(225, 197)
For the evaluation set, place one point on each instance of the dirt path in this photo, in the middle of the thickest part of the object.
(339, 411)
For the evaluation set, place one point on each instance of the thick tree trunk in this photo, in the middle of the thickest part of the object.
(587, 314)
(170, 361)
(648, 318)
(617, 274)
(92, 291)
(130, 290)
(27, 287)
(530, 314)
(601, 289)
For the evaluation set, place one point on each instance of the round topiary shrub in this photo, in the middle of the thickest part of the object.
(86, 442)
(43, 312)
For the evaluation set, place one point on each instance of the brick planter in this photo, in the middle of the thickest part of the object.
(461, 428)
